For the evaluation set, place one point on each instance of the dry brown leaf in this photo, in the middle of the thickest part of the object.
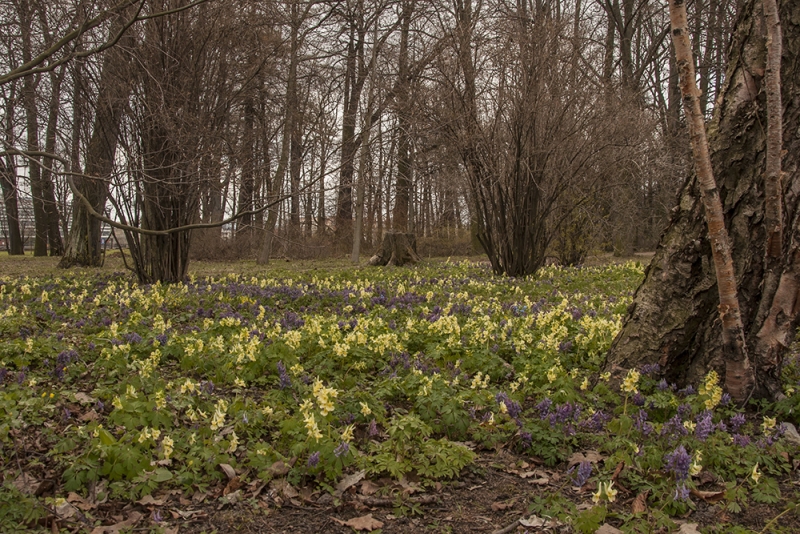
(607, 529)
(148, 500)
(113, 529)
(307, 494)
(349, 481)
(171, 530)
(640, 503)
(83, 398)
(498, 506)
(279, 469)
(91, 415)
(541, 481)
(26, 484)
(369, 488)
(365, 522)
(617, 471)
(233, 484)
(688, 528)
(708, 496)
(588, 456)
(229, 471)
(533, 522)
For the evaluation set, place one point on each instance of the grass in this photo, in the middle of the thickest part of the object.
(309, 371)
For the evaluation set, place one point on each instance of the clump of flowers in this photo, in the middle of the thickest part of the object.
(631, 381)
(605, 490)
(712, 390)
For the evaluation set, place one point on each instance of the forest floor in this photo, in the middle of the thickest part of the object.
(93, 444)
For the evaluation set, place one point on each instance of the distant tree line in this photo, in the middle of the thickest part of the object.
(524, 129)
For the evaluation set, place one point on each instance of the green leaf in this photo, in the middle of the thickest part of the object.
(162, 475)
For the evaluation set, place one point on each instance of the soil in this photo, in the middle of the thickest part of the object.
(490, 496)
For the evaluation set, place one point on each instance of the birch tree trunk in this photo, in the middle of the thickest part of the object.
(673, 320)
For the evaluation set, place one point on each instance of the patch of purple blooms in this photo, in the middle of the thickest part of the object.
(342, 449)
(284, 380)
(705, 425)
(581, 475)
(678, 463)
(313, 459)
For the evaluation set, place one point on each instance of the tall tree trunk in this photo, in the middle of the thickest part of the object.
(738, 374)
(84, 247)
(48, 193)
(8, 181)
(404, 156)
(673, 320)
(29, 103)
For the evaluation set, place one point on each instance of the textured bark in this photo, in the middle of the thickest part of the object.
(396, 249)
(83, 245)
(738, 373)
(673, 320)
(8, 181)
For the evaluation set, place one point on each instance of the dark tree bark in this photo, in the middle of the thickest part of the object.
(396, 249)
(673, 320)
(8, 181)
(83, 245)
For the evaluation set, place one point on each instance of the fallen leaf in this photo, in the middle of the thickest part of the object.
(83, 398)
(617, 471)
(640, 503)
(233, 484)
(279, 469)
(173, 530)
(307, 493)
(533, 522)
(229, 471)
(349, 481)
(91, 415)
(26, 484)
(113, 529)
(708, 496)
(607, 529)
(497, 506)
(688, 528)
(369, 488)
(365, 522)
(588, 456)
(542, 481)
(148, 500)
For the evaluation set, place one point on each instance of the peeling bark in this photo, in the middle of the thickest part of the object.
(673, 319)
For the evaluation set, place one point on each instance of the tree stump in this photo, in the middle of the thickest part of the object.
(397, 248)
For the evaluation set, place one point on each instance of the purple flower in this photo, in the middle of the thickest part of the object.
(372, 430)
(582, 475)
(678, 463)
(313, 459)
(674, 427)
(662, 385)
(741, 440)
(737, 421)
(705, 425)
(681, 493)
(342, 449)
(285, 381)
(544, 407)
(725, 399)
(640, 423)
(3, 374)
(638, 399)
(650, 369)
(527, 438)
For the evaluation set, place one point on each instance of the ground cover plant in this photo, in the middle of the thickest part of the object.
(365, 390)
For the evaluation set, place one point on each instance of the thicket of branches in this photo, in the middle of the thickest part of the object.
(534, 129)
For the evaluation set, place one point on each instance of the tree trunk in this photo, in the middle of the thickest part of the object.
(8, 180)
(83, 246)
(396, 249)
(673, 320)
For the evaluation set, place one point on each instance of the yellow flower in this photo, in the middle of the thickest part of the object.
(365, 410)
(167, 447)
(605, 489)
(233, 443)
(347, 435)
(585, 384)
(117, 403)
(769, 422)
(689, 425)
(631, 381)
(605, 377)
(755, 474)
(239, 383)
